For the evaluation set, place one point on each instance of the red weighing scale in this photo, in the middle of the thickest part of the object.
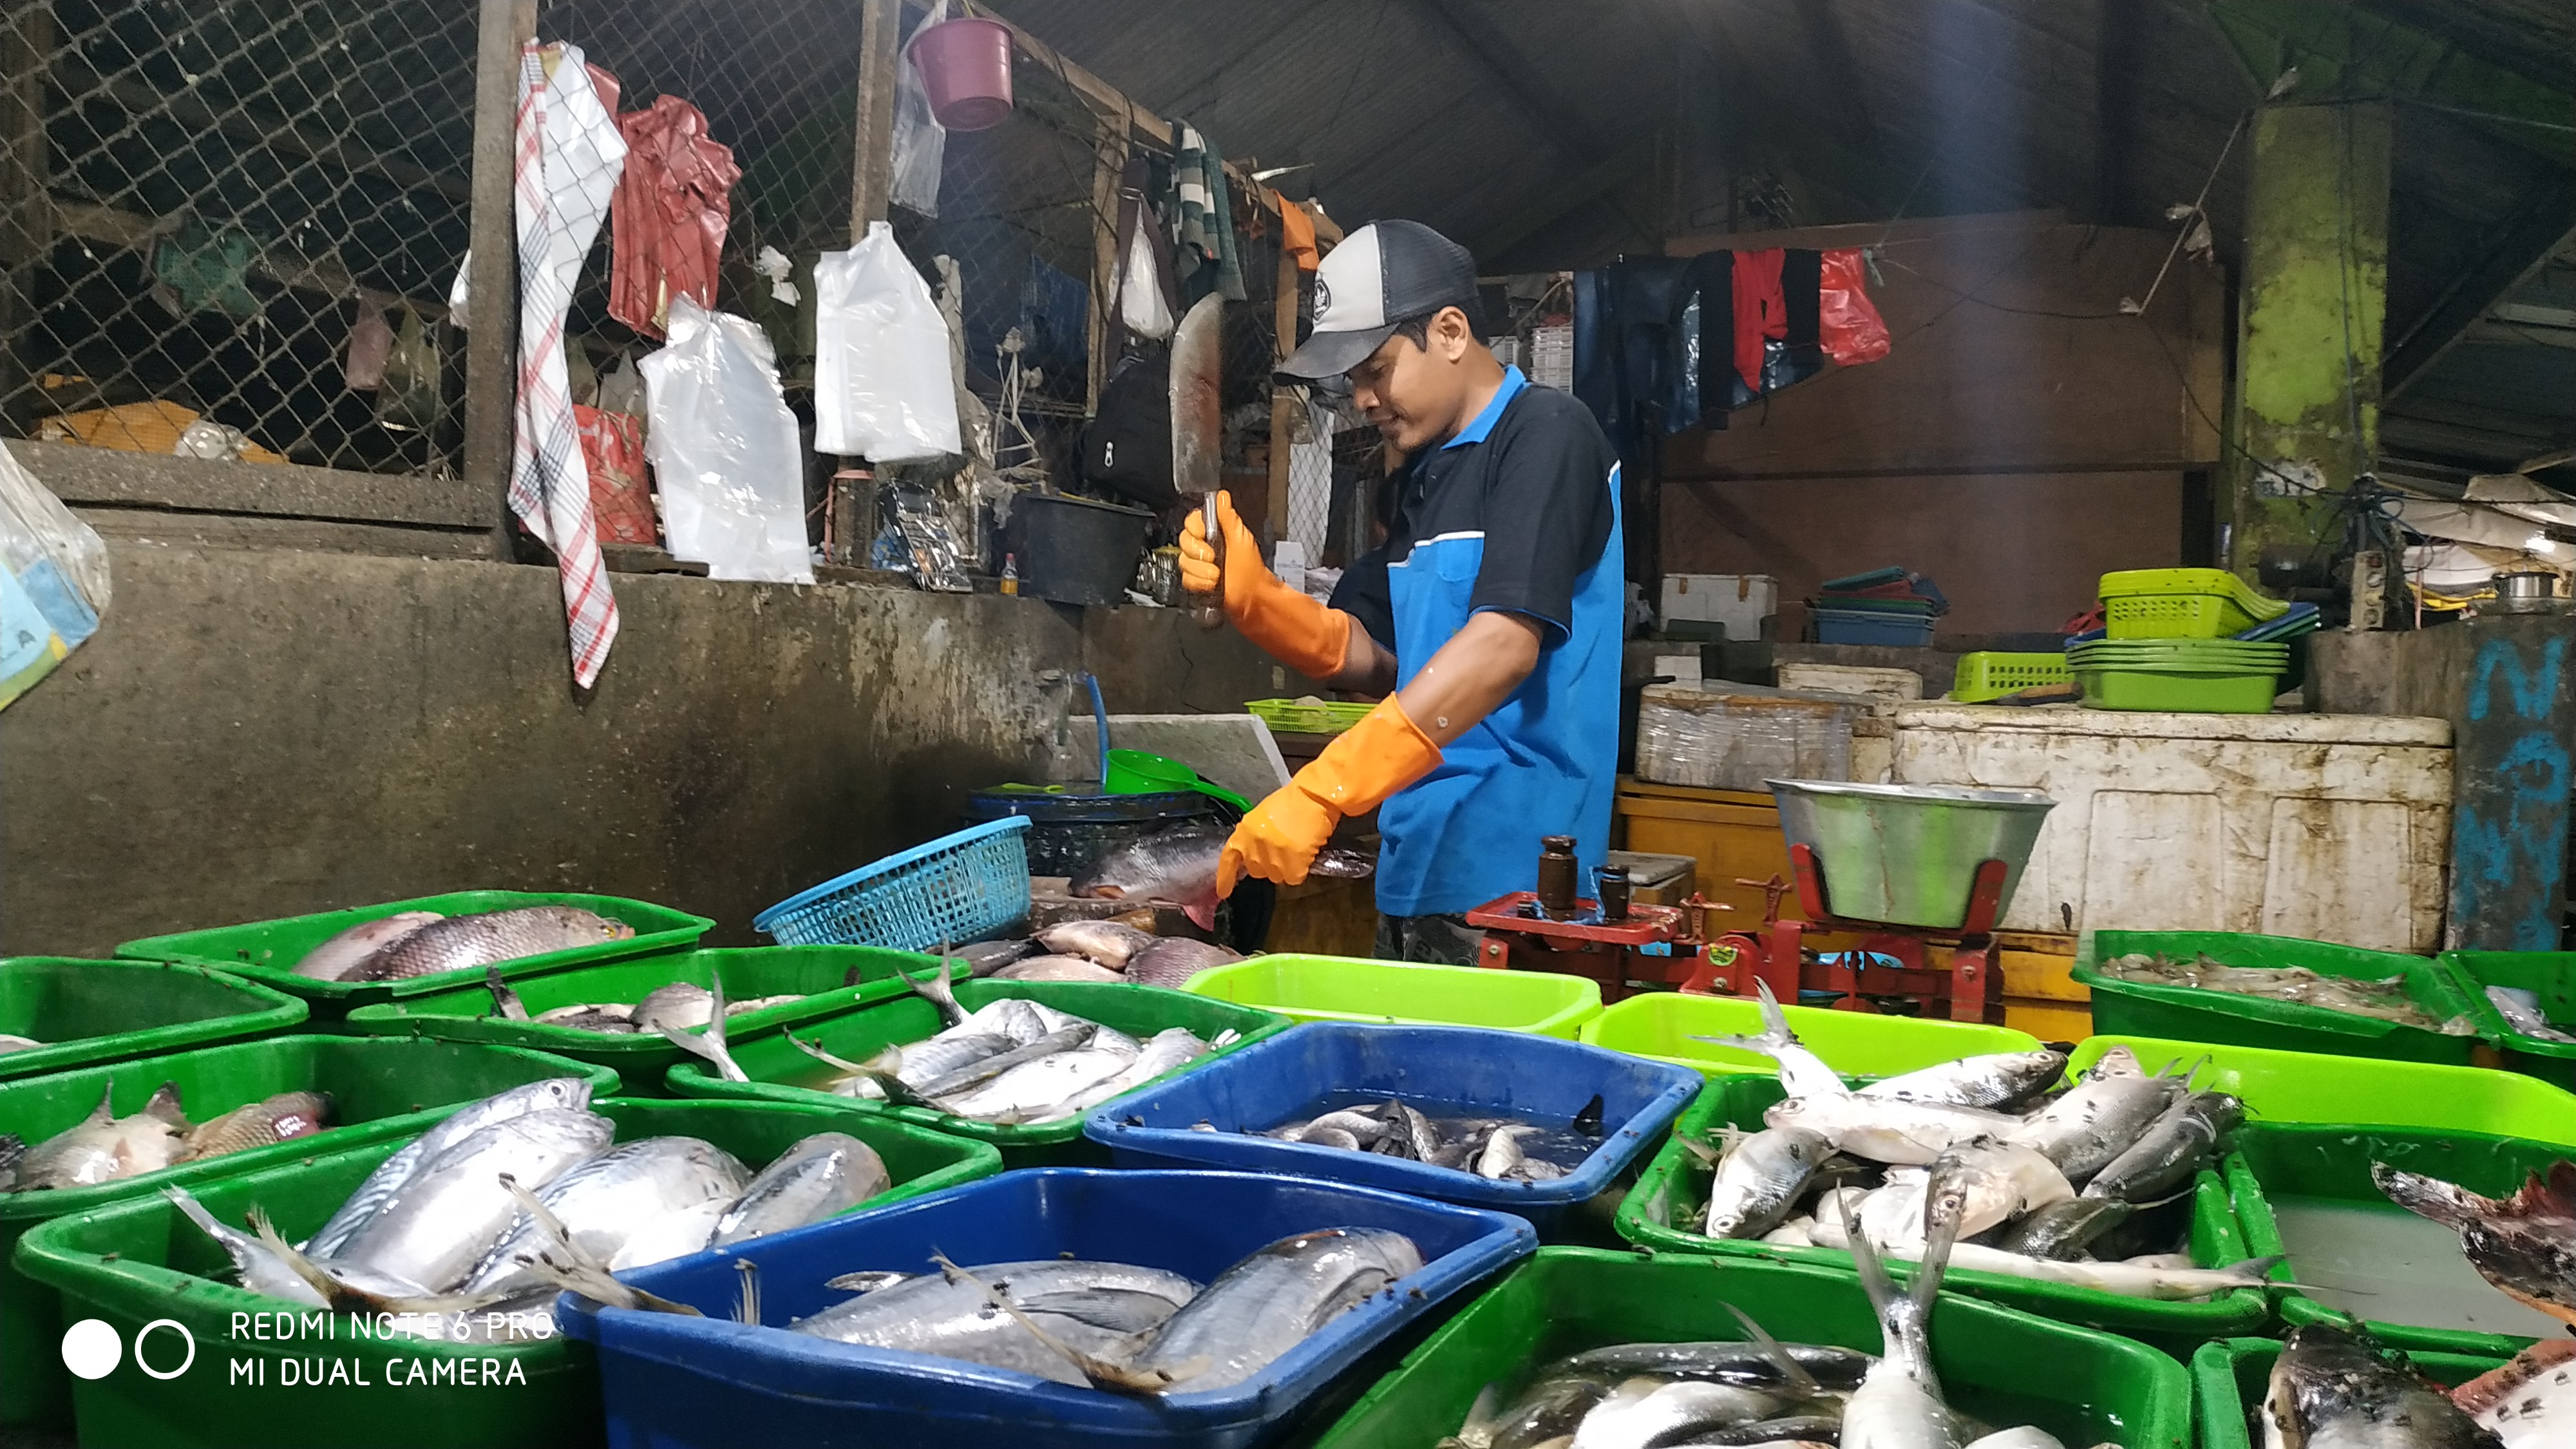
(1520, 937)
(1779, 958)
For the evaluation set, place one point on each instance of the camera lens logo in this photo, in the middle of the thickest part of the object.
(91, 1349)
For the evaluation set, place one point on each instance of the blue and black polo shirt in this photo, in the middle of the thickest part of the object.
(1519, 512)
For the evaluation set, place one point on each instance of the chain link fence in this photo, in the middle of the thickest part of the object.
(207, 203)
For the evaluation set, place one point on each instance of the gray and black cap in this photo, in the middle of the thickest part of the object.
(1383, 274)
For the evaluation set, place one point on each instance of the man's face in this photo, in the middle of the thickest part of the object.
(1409, 393)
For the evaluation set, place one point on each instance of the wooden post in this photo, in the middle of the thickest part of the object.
(26, 211)
(1109, 162)
(492, 291)
(2510, 767)
(871, 193)
(1283, 401)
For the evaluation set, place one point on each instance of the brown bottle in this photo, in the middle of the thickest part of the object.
(1557, 877)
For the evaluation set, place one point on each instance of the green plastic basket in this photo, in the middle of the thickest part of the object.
(1858, 1044)
(2332, 1163)
(267, 951)
(379, 1090)
(1676, 1180)
(643, 1059)
(2000, 1365)
(1347, 988)
(1324, 717)
(2182, 604)
(1989, 675)
(2191, 1013)
(2229, 1380)
(100, 1011)
(2218, 689)
(2285, 1087)
(2551, 975)
(779, 1071)
(137, 1262)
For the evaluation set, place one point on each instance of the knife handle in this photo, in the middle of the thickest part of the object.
(1211, 614)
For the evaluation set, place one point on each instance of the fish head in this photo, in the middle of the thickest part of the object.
(568, 1093)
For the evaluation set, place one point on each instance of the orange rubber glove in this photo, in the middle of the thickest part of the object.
(1290, 627)
(1380, 755)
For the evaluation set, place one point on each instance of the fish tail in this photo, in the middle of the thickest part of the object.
(195, 1211)
(1775, 1022)
(504, 1000)
(709, 1048)
(1765, 1045)
(2254, 1270)
(940, 991)
(746, 1303)
(1800, 1381)
(569, 1266)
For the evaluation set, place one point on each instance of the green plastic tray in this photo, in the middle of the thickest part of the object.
(138, 1261)
(266, 951)
(100, 1011)
(642, 1060)
(380, 1089)
(2189, 1013)
(2551, 974)
(1347, 988)
(2004, 1366)
(2230, 1378)
(1676, 1180)
(1858, 1044)
(2219, 690)
(2281, 1087)
(778, 1070)
(2333, 1162)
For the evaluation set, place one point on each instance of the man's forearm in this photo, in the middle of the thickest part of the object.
(1471, 675)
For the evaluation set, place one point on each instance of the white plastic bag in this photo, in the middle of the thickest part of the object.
(53, 580)
(920, 142)
(881, 380)
(723, 448)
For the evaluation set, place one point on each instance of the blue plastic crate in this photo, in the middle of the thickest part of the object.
(1498, 1072)
(674, 1382)
(958, 888)
(1852, 626)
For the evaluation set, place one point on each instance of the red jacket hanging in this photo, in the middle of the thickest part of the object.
(669, 214)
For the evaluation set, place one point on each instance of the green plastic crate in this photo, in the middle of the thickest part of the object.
(2003, 1366)
(99, 1011)
(1675, 1180)
(2181, 604)
(2182, 691)
(1294, 716)
(643, 1059)
(1986, 674)
(2333, 1162)
(138, 1261)
(1858, 1044)
(2229, 1380)
(379, 1089)
(2190, 1013)
(2282, 1087)
(778, 1071)
(2549, 974)
(266, 951)
(1347, 988)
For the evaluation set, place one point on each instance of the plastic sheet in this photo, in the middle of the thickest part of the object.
(723, 447)
(882, 389)
(1848, 326)
(1740, 737)
(53, 580)
(920, 142)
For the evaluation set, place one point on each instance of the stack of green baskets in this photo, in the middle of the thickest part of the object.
(2212, 676)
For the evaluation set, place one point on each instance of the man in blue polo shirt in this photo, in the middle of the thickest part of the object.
(1491, 618)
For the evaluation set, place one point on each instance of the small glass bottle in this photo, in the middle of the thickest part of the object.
(1010, 573)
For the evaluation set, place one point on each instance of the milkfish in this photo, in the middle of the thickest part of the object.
(1098, 1308)
(1269, 1303)
(2000, 1080)
(1761, 1177)
(1802, 1072)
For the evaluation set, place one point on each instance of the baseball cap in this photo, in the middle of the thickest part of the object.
(1385, 273)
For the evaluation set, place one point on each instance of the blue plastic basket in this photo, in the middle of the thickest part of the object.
(958, 888)
(674, 1382)
(1503, 1073)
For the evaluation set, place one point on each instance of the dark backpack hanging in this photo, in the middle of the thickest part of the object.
(1127, 449)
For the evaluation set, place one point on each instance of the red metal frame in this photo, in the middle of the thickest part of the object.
(1608, 954)
(1777, 955)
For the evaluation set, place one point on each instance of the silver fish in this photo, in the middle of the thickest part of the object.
(818, 1177)
(2530, 1403)
(12, 1042)
(1502, 1156)
(104, 1147)
(1040, 1090)
(2095, 1120)
(1173, 960)
(940, 991)
(332, 960)
(604, 1201)
(1760, 1178)
(1885, 1129)
(1058, 968)
(2000, 1080)
(463, 942)
(1272, 1301)
(446, 1216)
(1171, 1047)
(953, 1317)
(2521, 1011)
(1645, 1413)
(1898, 1404)
(1802, 1072)
(709, 1045)
(1994, 1181)
(680, 1005)
(555, 1093)
(976, 1074)
(1106, 942)
(612, 1017)
(260, 1270)
(983, 958)
(2173, 1148)
(2332, 1392)
(2128, 1280)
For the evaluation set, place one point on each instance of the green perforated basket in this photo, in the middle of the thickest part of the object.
(1987, 675)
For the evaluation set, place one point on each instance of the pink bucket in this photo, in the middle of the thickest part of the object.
(965, 67)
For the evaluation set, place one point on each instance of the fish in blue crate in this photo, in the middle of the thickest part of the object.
(1501, 1149)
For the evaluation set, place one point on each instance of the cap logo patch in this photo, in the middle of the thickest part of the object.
(1323, 297)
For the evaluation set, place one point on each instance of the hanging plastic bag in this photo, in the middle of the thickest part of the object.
(53, 580)
(881, 382)
(1847, 322)
(723, 448)
(920, 142)
(407, 389)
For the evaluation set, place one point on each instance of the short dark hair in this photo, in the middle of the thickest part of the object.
(1417, 330)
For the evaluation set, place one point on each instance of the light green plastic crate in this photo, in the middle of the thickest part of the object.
(2182, 604)
(1293, 716)
(1347, 988)
(2280, 1087)
(1988, 675)
(1661, 1025)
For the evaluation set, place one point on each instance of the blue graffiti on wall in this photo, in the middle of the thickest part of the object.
(2520, 838)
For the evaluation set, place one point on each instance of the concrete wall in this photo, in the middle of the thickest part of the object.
(260, 733)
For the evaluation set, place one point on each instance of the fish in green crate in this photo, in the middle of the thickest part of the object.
(679, 1005)
(2524, 1244)
(271, 1120)
(2384, 1000)
(12, 1042)
(2529, 1403)
(333, 959)
(2519, 1007)
(457, 943)
(2332, 1390)
(104, 1147)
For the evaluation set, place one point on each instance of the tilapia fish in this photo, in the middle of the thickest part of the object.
(2524, 1244)
(1173, 960)
(461, 943)
(332, 960)
(2332, 1391)
(1106, 942)
(1177, 865)
(281, 1118)
(104, 1147)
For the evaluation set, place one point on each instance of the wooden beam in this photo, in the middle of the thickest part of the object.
(1112, 102)
(2521, 246)
(134, 232)
(872, 172)
(491, 344)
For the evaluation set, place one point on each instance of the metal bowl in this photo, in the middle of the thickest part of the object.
(1908, 854)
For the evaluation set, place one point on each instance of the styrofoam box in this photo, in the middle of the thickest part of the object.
(1739, 601)
(2328, 827)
